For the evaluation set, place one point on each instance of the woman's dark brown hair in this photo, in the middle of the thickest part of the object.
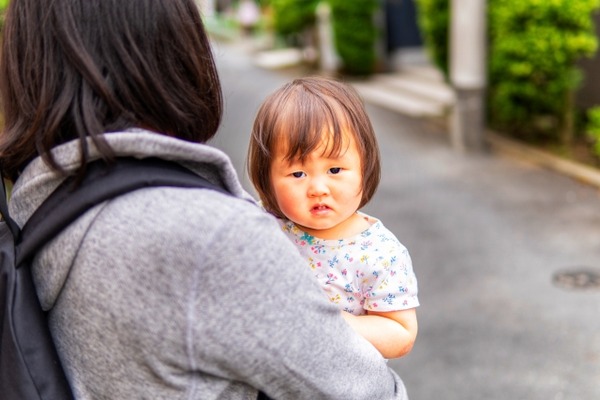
(300, 115)
(78, 68)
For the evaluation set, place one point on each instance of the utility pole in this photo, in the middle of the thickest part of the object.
(328, 58)
(468, 73)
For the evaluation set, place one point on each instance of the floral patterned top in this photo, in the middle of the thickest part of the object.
(370, 271)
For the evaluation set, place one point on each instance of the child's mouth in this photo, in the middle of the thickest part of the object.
(319, 209)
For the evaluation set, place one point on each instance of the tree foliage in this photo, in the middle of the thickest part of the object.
(534, 46)
(354, 29)
(355, 34)
(434, 20)
(293, 16)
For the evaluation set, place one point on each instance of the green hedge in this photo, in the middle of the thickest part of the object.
(434, 20)
(293, 16)
(355, 34)
(533, 49)
(3, 5)
(592, 129)
(354, 31)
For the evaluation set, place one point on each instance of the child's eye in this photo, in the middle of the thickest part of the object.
(298, 174)
(335, 170)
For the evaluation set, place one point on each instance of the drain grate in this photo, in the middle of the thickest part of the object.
(579, 278)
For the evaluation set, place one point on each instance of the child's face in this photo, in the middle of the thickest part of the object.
(323, 193)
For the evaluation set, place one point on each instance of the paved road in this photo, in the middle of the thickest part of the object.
(486, 235)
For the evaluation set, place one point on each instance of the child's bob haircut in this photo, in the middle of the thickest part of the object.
(305, 115)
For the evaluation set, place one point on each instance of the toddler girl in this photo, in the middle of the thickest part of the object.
(314, 161)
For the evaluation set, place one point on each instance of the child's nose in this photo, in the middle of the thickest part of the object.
(318, 188)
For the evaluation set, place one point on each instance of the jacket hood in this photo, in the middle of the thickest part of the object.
(38, 180)
(52, 265)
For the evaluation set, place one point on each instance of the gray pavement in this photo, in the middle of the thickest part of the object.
(486, 234)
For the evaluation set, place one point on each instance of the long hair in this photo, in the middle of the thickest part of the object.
(78, 68)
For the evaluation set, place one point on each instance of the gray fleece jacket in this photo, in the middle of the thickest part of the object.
(172, 293)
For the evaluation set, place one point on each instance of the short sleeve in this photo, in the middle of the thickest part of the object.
(394, 285)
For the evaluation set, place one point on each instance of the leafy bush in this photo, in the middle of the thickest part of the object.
(354, 31)
(534, 46)
(3, 6)
(434, 21)
(293, 16)
(593, 128)
(533, 49)
(355, 34)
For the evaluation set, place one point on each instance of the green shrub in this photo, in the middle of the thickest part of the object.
(534, 47)
(3, 6)
(354, 30)
(291, 17)
(434, 21)
(355, 34)
(592, 128)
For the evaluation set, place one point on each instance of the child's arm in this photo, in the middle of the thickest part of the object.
(393, 333)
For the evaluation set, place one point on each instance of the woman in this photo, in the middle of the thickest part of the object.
(163, 292)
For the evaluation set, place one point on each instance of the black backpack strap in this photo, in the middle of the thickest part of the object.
(102, 181)
(12, 225)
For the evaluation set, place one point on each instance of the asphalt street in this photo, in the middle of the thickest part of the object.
(488, 237)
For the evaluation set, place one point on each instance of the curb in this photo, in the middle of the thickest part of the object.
(508, 147)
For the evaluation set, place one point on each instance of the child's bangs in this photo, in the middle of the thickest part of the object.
(311, 124)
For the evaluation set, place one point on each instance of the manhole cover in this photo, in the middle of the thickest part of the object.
(581, 278)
